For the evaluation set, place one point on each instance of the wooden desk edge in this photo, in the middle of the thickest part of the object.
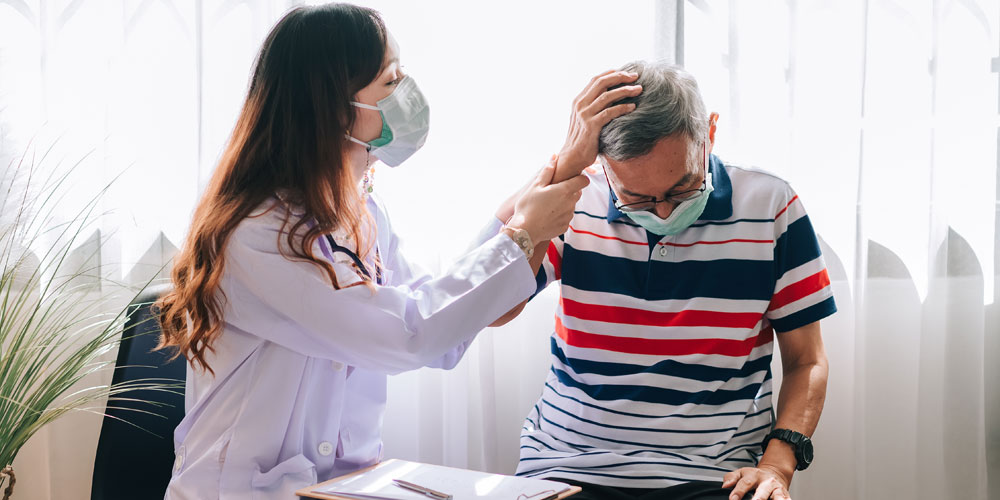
(311, 493)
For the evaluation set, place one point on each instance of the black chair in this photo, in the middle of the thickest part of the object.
(135, 459)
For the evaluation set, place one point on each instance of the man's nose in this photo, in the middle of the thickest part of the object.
(663, 210)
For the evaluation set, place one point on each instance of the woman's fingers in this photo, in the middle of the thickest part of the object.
(546, 173)
(573, 184)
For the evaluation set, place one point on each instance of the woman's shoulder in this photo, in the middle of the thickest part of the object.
(269, 224)
(268, 218)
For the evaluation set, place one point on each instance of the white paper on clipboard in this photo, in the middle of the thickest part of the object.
(377, 484)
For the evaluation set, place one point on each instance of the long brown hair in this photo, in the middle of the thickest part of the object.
(289, 139)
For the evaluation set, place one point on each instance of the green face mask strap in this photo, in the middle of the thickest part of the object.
(386, 136)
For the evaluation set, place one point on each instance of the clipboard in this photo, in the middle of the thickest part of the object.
(314, 490)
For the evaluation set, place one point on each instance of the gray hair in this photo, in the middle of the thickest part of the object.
(669, 103)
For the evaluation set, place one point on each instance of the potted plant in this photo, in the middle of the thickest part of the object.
(60, 321)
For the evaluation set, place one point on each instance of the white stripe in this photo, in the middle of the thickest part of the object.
(803, 303)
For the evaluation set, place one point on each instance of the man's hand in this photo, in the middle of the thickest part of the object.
(592, 110)
(766, 482)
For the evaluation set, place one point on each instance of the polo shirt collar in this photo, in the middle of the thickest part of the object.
(720, 201)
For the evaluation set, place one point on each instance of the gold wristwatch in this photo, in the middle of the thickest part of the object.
(523, 240)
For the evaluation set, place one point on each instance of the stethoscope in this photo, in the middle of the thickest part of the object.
(334, 248)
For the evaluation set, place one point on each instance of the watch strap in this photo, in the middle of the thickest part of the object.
(523, 240)
(799, 443)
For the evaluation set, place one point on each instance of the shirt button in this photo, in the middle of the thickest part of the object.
(325, 448)
(663, 251)
(179, 460)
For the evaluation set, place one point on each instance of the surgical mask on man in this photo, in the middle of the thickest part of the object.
(680, 219)
(406, 120)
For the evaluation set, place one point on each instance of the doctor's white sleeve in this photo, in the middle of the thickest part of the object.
(394, 328)
(413, 275)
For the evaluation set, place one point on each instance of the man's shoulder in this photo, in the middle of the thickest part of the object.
(753, 187)
(754, 176)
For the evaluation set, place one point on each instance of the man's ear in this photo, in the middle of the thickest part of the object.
(712, 119)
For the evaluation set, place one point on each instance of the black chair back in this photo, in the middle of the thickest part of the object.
(135, 459)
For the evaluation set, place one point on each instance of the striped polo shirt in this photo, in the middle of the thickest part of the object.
(662, 347)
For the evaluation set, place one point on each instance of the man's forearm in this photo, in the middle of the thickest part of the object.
(800, 402)
(536, 262)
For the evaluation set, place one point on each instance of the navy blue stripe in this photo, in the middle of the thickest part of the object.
(796, 246)
(523, 446)
(638, 429)
(632, 443)
(565, 457)
(751, 431)
(539, 442)
(639, 415)
(729, 222)
(541, 281)
(737, 448)
(561, 469)
(577, 447)
(628, 454)
(667, 367)
(616, 221)
(659, 395)
(808, 315)
(637, 452)
(734, 279)
(623, 464)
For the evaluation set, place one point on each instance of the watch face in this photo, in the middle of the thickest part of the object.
(807, 451)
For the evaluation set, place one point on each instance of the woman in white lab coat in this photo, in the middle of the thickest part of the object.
(291, 299)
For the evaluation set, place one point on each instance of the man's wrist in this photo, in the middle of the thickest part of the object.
(780, 458)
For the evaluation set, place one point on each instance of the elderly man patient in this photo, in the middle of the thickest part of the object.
(677, 275)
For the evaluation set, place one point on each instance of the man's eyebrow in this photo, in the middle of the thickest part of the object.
(683, 181)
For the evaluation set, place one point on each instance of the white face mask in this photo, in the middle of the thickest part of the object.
(406, 120)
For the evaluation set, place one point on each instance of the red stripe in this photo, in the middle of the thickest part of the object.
(662, 347)
(630, 316)
(607, 237)
(713, 242)
(786, 206)
(555, 259)
(799, 289)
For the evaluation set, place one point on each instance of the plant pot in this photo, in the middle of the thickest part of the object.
(7, 478)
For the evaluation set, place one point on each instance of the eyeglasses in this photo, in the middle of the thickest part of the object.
(677, 198)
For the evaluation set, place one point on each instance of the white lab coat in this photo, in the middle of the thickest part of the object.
(300, 368)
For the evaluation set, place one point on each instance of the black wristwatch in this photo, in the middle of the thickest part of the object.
(801, 443)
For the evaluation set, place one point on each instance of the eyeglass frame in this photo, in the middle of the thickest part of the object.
(690, 194)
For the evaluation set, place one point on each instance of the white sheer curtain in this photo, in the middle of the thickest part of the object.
(882, 114)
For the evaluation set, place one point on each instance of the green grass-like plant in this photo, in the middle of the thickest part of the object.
(60, 321)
